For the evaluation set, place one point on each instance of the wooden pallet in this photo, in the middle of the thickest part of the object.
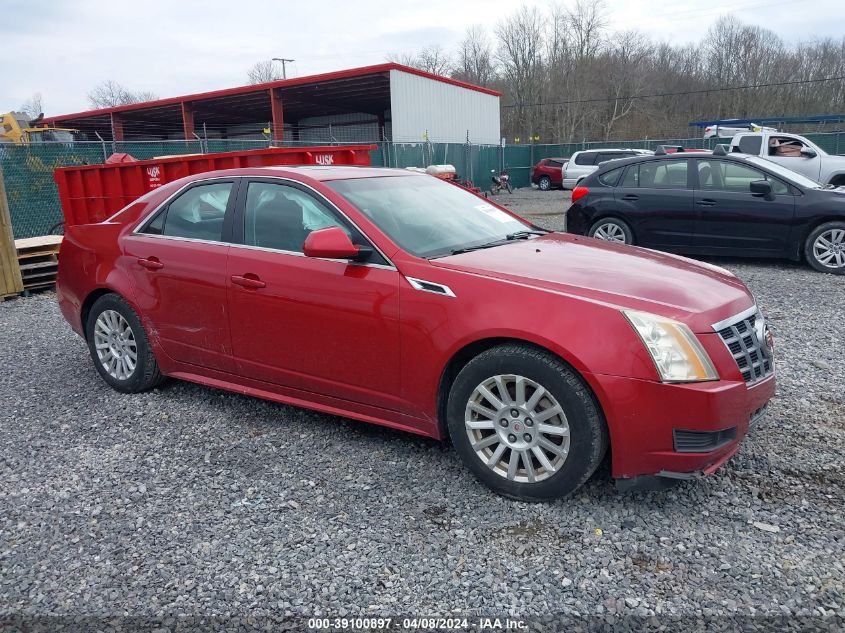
(38, 259)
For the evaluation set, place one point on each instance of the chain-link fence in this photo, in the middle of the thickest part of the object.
(34, 201)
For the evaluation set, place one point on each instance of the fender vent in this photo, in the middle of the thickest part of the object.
(430, 286)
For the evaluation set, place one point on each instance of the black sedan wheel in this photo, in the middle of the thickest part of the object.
(825, 248)
(612, 230)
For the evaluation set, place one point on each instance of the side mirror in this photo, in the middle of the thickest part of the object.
(333, 243)
(807, 152)
(761, 188)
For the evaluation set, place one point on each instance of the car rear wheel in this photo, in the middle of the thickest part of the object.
(545, 183)
(825, 248)
(612, 230)
(119, 346)
(525, 424)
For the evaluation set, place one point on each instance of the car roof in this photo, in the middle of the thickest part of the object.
(314, 172)
(610, 149)
(621, 162)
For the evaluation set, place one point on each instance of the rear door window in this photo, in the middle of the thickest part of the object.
(196, 214)
(657, 174)
(586, 158)
(611, 156)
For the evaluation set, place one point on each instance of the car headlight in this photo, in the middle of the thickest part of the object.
(676, 352)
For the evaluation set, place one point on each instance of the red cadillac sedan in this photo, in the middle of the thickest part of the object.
(399, 299)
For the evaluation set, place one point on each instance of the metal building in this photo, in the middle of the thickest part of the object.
(375, 103)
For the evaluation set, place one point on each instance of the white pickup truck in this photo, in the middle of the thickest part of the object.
(793, 152)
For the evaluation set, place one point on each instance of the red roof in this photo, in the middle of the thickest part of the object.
(281, 83)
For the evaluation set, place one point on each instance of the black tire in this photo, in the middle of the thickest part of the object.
(813, 251)
(545, 183)
(613, 226)
(838, 181)
(145, 374)
(510, 187)
(587, 434)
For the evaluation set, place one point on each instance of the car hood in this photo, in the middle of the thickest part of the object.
(619, 276)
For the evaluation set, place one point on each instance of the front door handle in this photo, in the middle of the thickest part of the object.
(150, 263)
(706, 203)
(248, 280)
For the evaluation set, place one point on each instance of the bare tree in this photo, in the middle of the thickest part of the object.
(432, 59)
(587, 23)
(33, 107)
(622, 71)
(262, 72)
(520, 55)
(406, 59)
(140, 96)
(475, 58)
(109, 93)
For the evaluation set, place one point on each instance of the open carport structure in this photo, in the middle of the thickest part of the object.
(374, 103)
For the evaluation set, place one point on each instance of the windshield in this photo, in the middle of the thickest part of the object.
(426, 216)
(48, 136)
(793, 176)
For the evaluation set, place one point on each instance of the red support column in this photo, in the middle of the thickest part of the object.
(278, 115)
(188, 121)
(116, 127)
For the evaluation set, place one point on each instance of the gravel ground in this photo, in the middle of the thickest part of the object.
(188, 500)
(535, 204)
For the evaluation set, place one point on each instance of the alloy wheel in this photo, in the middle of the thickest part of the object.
(610, 232)
(517, 428)
(829, 248)
(115, 343)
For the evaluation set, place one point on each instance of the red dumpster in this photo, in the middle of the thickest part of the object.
(92, 193)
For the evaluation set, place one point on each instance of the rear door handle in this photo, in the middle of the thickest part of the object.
(248, 280)
(706, 203)
(630, 197)
(151, 263)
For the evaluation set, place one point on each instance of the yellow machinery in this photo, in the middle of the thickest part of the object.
(15, 127)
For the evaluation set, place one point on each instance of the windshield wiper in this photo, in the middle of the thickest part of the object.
(468, 249)
(520, 235)
(510, 237)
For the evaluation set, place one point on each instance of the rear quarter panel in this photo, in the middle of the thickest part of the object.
(88, 261)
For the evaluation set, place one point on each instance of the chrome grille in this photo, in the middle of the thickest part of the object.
(746, 340)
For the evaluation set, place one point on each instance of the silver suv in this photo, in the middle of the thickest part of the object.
(582, 164)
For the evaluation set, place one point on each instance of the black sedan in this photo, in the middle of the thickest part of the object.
(713, 204)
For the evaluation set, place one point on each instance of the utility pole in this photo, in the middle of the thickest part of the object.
(284, 68)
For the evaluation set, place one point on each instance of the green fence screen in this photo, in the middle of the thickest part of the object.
(34, 201)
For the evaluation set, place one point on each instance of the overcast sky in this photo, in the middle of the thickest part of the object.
(62, 48)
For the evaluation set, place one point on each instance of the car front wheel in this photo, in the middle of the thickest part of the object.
(119, 346)
(825, 248)
(525, 424)
(545, 183)
(612, 230)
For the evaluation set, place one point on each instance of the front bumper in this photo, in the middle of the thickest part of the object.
(642, 415)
